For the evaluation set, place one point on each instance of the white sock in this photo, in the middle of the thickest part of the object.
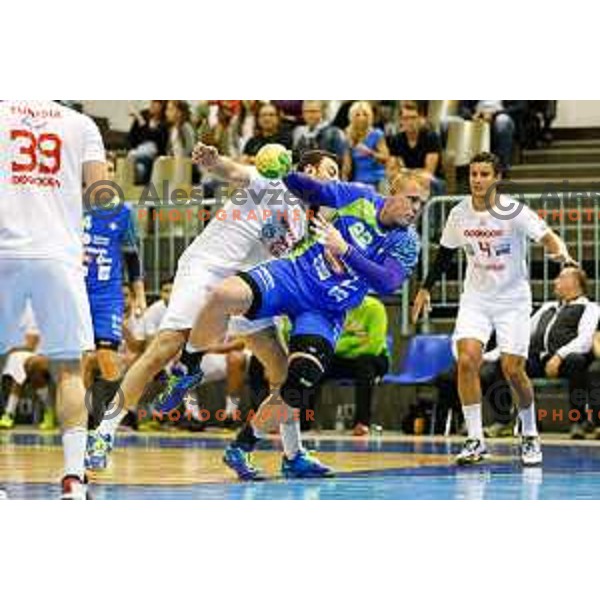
(11, 405)
(473, 420)
(110, 425)
(528, 422)
(291, 437)
(231, 403)
(191, 406)
(190, 349)
(74, 442)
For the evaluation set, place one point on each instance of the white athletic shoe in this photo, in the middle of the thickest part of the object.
(473, 451)
(531, 451)
(73, 488)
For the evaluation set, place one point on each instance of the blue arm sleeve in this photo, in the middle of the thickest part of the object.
(323, 193)
(385, 278)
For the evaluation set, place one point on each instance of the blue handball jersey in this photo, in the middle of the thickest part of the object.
(357, 207)
(105, 239)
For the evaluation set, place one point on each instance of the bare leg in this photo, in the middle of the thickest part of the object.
(90, 366)
(513, 368)
(270, 350)
(163, 348)
(232, 297)
(72, 415)
(470, 355)
(109, 364)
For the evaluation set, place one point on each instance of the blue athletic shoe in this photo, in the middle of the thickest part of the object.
(97, 451)
(304, 466)
(177, 387)
(240, 461)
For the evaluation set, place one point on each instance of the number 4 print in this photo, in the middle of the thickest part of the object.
(485, 247)
(42, 152)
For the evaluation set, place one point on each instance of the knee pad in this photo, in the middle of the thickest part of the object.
(309, 359)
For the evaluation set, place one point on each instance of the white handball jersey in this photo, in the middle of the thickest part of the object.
(496, 248)
(152, 318)
(43, 146)
(260, 222)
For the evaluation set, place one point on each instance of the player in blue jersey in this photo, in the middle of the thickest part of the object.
(110, 245)
(369, 244)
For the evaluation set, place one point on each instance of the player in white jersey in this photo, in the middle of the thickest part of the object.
(47, 153)
(260, 221)
(494, 232)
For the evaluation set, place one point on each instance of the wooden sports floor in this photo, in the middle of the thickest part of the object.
(174, 465)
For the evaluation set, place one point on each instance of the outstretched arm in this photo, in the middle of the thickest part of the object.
(556, 248)
(225, 168)
(323, 193)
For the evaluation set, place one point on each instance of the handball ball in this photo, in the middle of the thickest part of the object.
(273, 161)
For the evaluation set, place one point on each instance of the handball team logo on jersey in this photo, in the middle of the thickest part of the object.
(502, 249)
(503, 207)
(104, 199)
(277, 235)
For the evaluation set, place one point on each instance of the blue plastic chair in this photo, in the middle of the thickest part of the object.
(427, 357)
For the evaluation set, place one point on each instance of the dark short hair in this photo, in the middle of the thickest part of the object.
(489, 158)
(313, 158)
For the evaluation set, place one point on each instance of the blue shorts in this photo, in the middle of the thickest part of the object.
(278, 290)
(107, 319)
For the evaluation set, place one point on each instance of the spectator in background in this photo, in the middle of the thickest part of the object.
(593, 376)
(268, 131)
(182, 137)
(224, 134)
(341, 120)
(362, 355)
(316, 134)
(368, 153)
(416, 147)
(290, 112)
(385, 112)
(147, 138)
(504, 117)
(156, 311)
(562, 332)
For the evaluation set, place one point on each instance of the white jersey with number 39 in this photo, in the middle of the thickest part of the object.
(496, 248)
(43, 146)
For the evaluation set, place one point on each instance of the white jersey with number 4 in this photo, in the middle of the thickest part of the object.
(496, 248)
(43, 146)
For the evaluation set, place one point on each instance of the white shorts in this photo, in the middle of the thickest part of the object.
(15, 366)
(214, 366)
(59, 302)
(478, 318)
(191, 288)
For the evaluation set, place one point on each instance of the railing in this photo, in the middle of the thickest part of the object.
(166, 230)
(573, 215)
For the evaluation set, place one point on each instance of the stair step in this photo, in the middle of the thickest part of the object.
(576, 133)
(533, 185)
(592, 143)
(561, 156)
(557, 170)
